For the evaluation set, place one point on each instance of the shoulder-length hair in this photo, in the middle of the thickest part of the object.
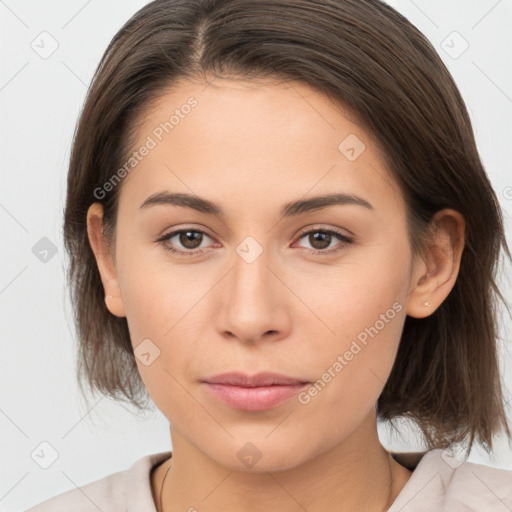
(368, 58)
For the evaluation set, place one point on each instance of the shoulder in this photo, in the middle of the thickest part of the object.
(443, 482)
(111, 493)
(106, 494)
(479, 487)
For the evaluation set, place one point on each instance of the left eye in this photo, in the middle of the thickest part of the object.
(191, 240)
(320, 239)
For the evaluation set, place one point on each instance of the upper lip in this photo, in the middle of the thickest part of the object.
(257, 380)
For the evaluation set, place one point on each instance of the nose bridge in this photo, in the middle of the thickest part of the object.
(251, 278)
(252, 304)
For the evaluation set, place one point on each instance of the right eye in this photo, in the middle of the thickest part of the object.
(188, 239)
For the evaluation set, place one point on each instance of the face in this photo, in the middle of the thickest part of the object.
(314, 291)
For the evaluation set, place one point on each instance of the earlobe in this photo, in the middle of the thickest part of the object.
(436, 274)
(115, 305)
(104, 260)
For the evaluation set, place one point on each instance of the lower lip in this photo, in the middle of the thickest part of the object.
(253, 399)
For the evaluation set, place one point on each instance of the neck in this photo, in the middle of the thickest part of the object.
(357, 474)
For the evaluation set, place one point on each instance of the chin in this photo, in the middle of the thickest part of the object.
(259, 456)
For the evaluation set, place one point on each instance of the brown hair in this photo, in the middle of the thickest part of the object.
(369, 59)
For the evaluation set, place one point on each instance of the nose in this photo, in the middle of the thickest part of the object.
(254, 302)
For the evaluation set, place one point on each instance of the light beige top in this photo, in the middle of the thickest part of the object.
(438, 484)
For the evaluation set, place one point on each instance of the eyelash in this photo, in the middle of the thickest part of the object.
(343, 238)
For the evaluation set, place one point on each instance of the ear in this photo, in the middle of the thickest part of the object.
(104, 260)
(434, 275)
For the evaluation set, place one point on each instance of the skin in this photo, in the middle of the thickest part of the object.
(251, 148)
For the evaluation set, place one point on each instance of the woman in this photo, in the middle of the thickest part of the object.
(280, 231)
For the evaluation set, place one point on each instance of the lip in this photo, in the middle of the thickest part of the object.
(253, 392)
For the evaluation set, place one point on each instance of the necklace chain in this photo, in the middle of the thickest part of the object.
(160, 509)
(162, 487)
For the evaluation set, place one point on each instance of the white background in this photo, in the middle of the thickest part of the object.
(40, 101)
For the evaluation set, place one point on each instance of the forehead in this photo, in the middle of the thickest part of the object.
(261, 141)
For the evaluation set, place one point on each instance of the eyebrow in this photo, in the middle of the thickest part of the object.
(288, 210)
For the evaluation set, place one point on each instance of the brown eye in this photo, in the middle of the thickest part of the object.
(190, 239)
(184, 242)
(320, 240)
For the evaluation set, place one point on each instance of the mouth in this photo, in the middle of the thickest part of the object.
(253, 393)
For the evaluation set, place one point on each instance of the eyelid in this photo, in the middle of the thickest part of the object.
(180, 229)
(323, 227)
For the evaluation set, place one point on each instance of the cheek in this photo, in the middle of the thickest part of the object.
(157, 316)
(352, 296)
(363, 305)
(161, 311)
(156, 293)
(351, 369)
